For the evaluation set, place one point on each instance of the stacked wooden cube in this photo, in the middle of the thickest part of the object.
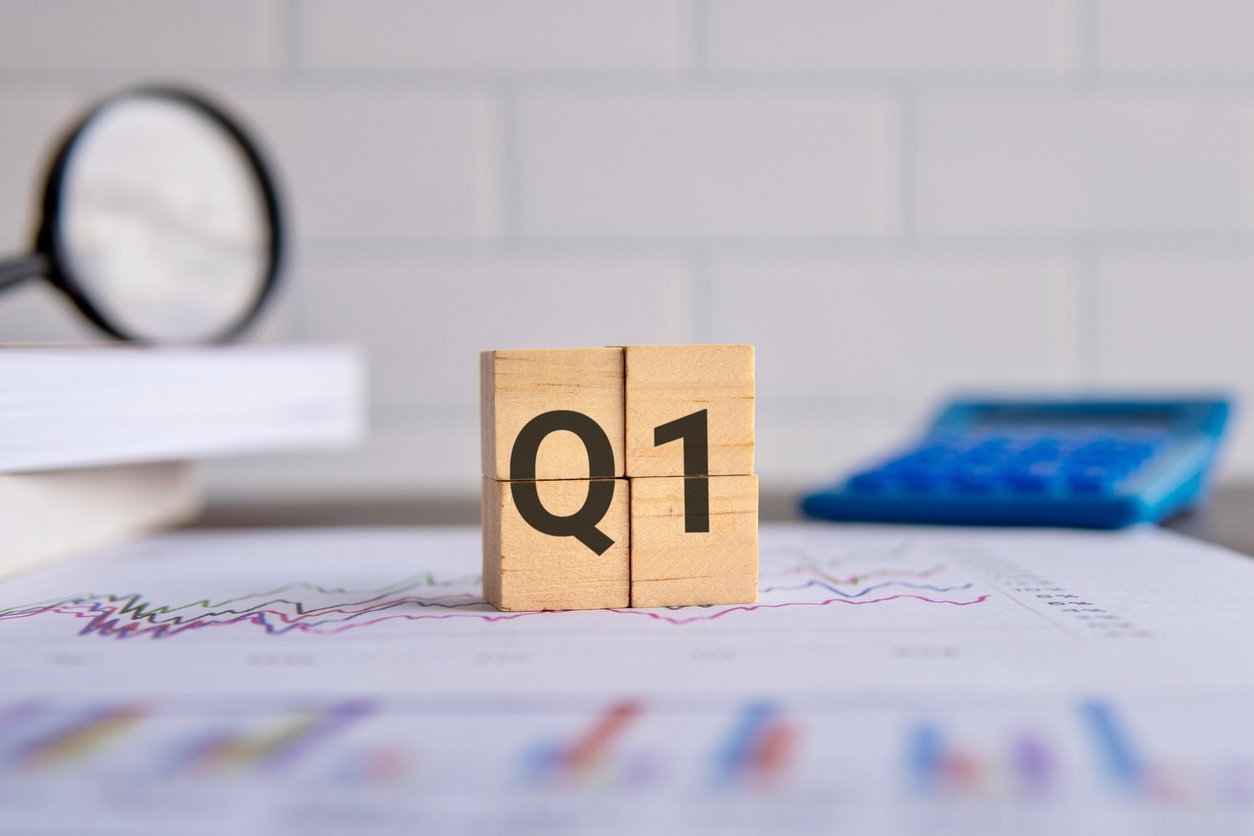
(618, 477)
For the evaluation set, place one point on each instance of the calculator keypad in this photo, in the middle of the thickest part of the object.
(979, 464)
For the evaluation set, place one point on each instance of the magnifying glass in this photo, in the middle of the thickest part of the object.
(160, 221)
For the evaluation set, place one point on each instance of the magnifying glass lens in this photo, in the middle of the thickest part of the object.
(163, 223)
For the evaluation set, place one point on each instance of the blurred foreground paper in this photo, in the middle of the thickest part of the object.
(888, 680)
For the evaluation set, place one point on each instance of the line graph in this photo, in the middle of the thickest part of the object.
(791, 580)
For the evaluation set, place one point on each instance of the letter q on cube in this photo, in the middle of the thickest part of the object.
(570, 436)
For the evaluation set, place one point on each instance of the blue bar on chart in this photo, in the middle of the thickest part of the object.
(757, 751)
(1114, 747)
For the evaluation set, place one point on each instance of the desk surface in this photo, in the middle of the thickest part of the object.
(1228, 519)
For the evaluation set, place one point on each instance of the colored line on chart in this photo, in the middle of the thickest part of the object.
(1228, 781)
(757, 751)
(820, 573)
(78, 738)
(281, 610)
(276, 750)
(591, 749)
(585, 757)
(1114, 747)
(867, 590)
(935, 766)
(720, 613)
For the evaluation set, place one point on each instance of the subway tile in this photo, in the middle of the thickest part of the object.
(32, 121)
(37, 312)
(380, 164)
(1057, 165)
(1168, 38)
(159, 35)
(397, 456)
(673, 164)
(1176, 318)
(496, 36)
(424, 320)
(799, 449)
(1180, 322)
(851, 329)
(917, 38)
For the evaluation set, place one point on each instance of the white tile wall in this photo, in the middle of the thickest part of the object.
(30, 117)
(895, 37)
(891, 198)
(36, 312)
(496, 36)
(382, 162)
(1089, 164)
(62, 36)
(424, 320)
(896, 327)
(657, 163)
(1175, 37)
(412, 454)
(799, 447)
(1180, 319)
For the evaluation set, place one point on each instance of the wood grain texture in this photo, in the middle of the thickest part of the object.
(516, 386)
(671, 567)
(524, 569)
(668, 382)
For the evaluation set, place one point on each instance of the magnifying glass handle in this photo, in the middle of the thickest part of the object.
(15, 270)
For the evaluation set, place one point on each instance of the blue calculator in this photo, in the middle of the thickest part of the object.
(1090, 463)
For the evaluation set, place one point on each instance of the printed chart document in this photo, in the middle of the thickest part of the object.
(888, 680)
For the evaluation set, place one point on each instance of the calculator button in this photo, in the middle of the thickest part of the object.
(976, 480)
(923, 481)
(1035, 477)
(1030, 484)
(983, 457)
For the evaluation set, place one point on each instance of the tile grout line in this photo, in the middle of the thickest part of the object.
(290, 50)
(509, 186)
(1086, 40)
(698, 14)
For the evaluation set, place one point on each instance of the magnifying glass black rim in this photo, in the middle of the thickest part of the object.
(49, 242)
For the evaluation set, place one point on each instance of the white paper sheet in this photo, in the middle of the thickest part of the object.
(888, 680)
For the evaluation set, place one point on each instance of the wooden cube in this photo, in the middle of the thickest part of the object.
(535, 391)
(666, 385)
(525, 568)
(673, 561)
